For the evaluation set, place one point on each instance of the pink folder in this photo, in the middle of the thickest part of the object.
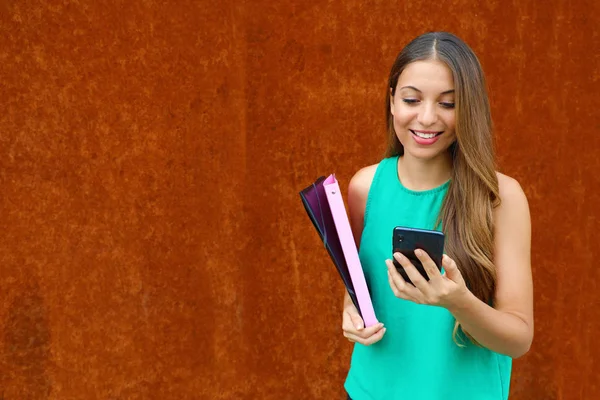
(344, 232)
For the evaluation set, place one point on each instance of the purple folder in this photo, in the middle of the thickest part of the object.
(325, 207)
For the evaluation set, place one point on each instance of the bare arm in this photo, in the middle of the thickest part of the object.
(508, 327)
(352, 323)
(358, 191)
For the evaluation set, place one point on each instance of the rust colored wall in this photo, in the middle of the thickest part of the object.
(153, 244)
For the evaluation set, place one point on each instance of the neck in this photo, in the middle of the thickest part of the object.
(418, 174)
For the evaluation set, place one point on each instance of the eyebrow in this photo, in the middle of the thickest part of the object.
(417, 90)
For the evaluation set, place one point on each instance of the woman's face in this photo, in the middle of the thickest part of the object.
(423, 109)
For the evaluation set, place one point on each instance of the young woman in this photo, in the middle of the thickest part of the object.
(454, 336)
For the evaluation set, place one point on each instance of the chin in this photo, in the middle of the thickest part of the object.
(426, 153)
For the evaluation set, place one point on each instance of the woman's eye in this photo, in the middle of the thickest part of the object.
(447, 105)
(410, 101)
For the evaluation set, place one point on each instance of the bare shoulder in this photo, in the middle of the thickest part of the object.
(358, 192)
(359, 186)
(512, 216)
(511, 193)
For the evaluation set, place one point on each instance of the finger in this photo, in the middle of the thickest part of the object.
(349, 327)
(451, 269)
(368, 332)
(375, 338)
(415, 276)
(357, 322)
(350, 336)
(428, 264)
(396, 288)
(400, 287)
(352, 321)
(402, 294)
(367, 341)
(397, 282)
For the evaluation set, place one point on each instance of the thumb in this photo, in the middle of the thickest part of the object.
(451, 268)
(357, 321)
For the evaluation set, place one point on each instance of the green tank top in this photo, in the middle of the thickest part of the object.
(417, 358)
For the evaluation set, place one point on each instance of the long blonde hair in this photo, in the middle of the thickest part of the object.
(467, 211)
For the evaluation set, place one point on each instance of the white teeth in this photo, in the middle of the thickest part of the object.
(425, 135)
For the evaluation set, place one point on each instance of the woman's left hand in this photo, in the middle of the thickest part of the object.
(445, 290)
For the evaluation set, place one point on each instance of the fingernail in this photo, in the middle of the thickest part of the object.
(419, 252)
(384, 330)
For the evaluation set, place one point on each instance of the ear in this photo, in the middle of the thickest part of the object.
(392, 101)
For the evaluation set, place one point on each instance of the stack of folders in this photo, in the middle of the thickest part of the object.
(325, 207)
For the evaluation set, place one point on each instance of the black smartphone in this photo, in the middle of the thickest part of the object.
(407, 240)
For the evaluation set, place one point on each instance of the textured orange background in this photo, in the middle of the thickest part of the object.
(152, 240)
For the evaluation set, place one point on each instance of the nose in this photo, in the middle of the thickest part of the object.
(427, 115)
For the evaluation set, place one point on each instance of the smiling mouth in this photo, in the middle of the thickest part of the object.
(426, 135)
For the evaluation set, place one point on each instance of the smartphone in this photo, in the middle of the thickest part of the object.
(407, 240)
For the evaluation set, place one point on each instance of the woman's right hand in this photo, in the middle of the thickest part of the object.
(354, 327)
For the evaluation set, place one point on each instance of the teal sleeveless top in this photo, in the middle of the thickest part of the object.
(417, 358)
